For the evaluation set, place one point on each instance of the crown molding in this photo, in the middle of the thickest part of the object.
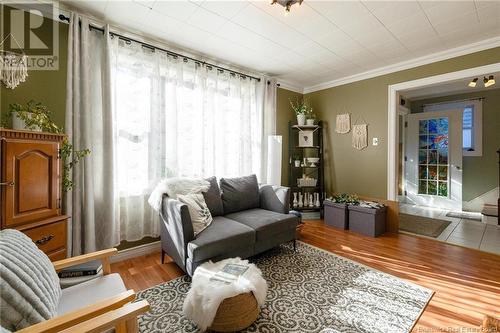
(420, 61)
(290, 86)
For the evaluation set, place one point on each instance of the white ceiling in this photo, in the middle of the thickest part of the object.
(451, 88)
(319, 41)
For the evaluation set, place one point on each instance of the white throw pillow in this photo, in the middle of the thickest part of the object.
(198, 210)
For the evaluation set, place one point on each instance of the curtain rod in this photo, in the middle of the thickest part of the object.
(456, 101)
(62, 17)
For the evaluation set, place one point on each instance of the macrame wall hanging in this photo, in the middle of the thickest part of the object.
(343, 123)
(360, 134)
(13, 66)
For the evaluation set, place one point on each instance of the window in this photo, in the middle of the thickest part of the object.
(177, 118)
(471, 123)
(468, 128)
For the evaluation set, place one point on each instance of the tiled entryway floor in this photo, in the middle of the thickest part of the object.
(469, 233)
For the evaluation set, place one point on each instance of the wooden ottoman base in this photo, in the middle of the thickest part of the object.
(236, 313)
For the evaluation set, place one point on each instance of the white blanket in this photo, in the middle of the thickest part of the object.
(174, 186)
(205, 296)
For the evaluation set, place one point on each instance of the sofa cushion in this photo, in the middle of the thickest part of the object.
(29, 285)
(213, 198)
(222, 236)
(266, 223)
(239, 193)
(90, 292)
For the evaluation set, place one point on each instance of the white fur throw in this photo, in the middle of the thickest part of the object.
(174, 186)
(205, 296)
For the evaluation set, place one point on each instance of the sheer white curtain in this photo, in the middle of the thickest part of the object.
(174, 117)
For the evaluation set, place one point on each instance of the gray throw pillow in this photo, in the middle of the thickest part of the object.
(29, 285)
(239, 193)
(213, 198)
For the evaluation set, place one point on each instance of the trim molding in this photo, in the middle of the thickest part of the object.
(392, 112)
(420, 61)
(290, 86)
(136, 251)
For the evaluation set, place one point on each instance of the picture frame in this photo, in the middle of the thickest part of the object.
(306, 138)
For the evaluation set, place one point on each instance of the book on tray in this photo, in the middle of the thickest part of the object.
(89, 268)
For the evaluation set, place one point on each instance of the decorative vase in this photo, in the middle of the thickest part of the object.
(295, 202)
(301, 119)
(301, 203)
(297, 163)
(317, 203)
(310, 122)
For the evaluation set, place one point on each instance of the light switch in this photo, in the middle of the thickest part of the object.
(375, 141)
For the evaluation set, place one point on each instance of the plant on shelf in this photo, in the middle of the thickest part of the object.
(296, 160)
(311, 117)
(349, 199)
(301, 109)
(37, 117)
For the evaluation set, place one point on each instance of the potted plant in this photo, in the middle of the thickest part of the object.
(296, 160)
(301, 109)
(36, 117)
(336, 210)
(311, 117)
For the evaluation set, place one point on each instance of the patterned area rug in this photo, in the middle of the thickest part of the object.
(310, 290)
(422, 225)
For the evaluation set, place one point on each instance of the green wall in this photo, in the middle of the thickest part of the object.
(480, 173)
(47, 86)
(284, 114)
(365, 172)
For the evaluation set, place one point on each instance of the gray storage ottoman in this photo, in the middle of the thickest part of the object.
(367, 221)
(336, 214)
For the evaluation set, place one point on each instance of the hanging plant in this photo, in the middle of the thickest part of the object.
(37, 116)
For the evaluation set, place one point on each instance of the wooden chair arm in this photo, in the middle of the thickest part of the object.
(101, 255)
(124, 320)
(70, 319)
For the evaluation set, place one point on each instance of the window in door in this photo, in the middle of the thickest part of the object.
(472, 123)
(433, 157)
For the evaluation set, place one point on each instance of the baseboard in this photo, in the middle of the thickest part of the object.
(476, 204)
(136, 251)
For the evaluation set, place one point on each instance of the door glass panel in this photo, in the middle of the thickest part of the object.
(433, 157)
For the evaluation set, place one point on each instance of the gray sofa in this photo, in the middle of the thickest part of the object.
(247, 219)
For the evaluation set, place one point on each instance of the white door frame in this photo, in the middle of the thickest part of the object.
(392, 119)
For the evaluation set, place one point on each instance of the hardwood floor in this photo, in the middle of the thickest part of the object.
(466, 281)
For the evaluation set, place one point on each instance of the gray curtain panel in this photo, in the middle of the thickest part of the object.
(92, 203)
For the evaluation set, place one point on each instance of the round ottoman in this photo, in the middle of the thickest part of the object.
(236, 313)
(225, 296)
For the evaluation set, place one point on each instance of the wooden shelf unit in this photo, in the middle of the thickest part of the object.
(313, 171)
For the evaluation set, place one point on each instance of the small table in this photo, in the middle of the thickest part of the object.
(237, 311)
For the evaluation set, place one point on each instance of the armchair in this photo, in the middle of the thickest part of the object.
(97, 305)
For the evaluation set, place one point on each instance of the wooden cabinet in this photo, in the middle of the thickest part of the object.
(31, 188)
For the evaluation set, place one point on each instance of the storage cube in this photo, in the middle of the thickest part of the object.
(336, 214)
(367, 221)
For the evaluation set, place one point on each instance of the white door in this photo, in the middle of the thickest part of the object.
(433, 166)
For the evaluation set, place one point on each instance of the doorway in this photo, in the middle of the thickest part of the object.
(426, 149)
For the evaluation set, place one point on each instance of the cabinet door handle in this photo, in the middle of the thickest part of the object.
(11, 183)
(44, 240)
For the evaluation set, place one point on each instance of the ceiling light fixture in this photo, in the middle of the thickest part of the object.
(287, 4)
(473, 83)
(489, 81)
